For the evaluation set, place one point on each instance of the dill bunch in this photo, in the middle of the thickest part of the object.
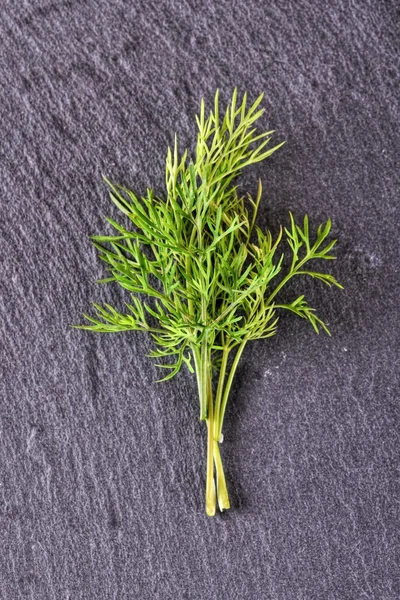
(203, 278)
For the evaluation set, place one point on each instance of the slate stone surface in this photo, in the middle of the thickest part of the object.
(102, 469)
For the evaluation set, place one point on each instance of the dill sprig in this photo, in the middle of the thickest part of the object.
(203, 278)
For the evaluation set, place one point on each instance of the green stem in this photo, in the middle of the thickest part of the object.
(228, 387)
(218, 397)
(222, 490)
(286, 279)
(210, 483)
(188, 272)
(204, 379)
(202, 367)
(199, 376)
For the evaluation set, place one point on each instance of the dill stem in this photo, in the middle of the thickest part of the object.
(210, 483)
(228, 387)
(204, 370)
(222, 490)
(211, 415)
(284, 281)
(218, 397)
(199, 376)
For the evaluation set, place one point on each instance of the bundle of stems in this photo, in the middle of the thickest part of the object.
(204, 280)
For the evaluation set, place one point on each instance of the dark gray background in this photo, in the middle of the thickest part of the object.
(103, 469)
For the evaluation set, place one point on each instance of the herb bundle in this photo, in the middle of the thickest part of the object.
(203, 279)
